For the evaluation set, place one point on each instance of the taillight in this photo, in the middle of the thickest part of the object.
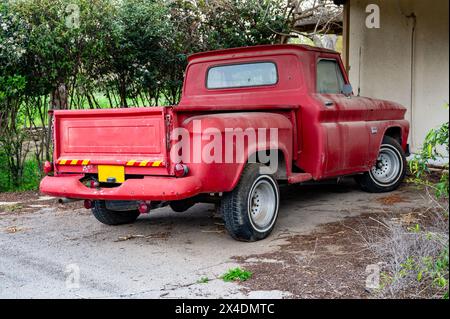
(48, 167)
(87, 204)
(94, 184)
(181, 170)
(143, 208)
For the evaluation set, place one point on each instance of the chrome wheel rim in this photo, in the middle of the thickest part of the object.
(263, 204)
(388, 167)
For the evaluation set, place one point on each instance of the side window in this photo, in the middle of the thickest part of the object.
(329, 77)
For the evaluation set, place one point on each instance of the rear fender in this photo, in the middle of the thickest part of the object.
(241, 138)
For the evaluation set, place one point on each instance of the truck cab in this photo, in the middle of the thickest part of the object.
(249, 119)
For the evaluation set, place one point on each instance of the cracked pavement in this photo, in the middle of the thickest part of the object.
(163, 254)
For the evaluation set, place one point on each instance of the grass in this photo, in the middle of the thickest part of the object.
(30, 180)
(236, 274)
(102, 101)
(203, 280)
(232, 274)
(12, 208)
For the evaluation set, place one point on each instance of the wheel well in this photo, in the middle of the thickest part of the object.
(395, 133)
(281, 166)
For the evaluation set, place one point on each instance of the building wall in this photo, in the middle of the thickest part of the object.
(384, 64)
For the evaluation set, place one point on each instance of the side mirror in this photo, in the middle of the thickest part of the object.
(347, 89)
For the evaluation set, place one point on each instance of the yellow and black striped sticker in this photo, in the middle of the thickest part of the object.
(134, 163)
(73, 162)
(144, 163)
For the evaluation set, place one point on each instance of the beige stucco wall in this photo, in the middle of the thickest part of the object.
(386, 58)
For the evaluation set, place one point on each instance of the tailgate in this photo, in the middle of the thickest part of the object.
(134, 138)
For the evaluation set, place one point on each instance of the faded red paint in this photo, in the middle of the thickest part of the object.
(321, 142)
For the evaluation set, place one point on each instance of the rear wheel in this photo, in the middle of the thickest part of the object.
(389, 170)
(251, 209)
(111, 217)
(180, 206)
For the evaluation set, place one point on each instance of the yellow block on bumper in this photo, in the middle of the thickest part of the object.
(106, 172)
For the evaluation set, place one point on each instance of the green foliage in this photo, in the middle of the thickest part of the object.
(10, 88)
(419, 265)
(434, 269)
(421, 252)
(127, 49)
(109, 53)
(236, 23)
(436, 145)
(11, 122)
(415, 228)
(4, 173)
(203, 280)
(30, 178)
(236, 274)
(12, 208)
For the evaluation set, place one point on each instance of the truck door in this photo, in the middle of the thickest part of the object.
(347, 132)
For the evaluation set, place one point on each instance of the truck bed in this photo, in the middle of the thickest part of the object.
(134, 138)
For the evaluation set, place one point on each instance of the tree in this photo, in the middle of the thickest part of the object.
(58, 54)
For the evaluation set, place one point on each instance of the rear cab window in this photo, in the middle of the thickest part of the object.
(241, 75)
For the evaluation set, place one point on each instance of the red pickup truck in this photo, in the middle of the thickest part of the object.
(249, 120)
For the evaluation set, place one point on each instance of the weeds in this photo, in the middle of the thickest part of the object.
(12, 208)
(435, 146)
(203, 280)
(236, 274)
(416, 258)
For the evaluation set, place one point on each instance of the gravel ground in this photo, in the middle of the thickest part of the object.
(49, 250)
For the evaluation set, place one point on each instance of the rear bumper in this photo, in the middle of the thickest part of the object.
(148, 188)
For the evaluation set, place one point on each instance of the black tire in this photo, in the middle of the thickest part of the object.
(381, 178)
(241, 207)
(181, 206)
(110, 217)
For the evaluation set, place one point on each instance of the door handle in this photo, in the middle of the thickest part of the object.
(329, 103)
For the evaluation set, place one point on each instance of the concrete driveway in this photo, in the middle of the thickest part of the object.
(54, 251)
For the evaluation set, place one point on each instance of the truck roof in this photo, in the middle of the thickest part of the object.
(254, 50)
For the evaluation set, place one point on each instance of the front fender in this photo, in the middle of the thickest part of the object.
(236, 136)
(376, 140)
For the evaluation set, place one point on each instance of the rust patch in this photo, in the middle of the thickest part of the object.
(391, 199)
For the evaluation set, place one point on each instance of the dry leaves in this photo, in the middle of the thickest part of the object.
(391, 200)
(13, 229)
(160, 235)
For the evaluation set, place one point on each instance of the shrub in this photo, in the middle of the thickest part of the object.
(30, 178)
(435, 146)
(72, 53)
(417, 257)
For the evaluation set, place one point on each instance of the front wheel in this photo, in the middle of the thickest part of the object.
(251, 209)
(389, 170)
